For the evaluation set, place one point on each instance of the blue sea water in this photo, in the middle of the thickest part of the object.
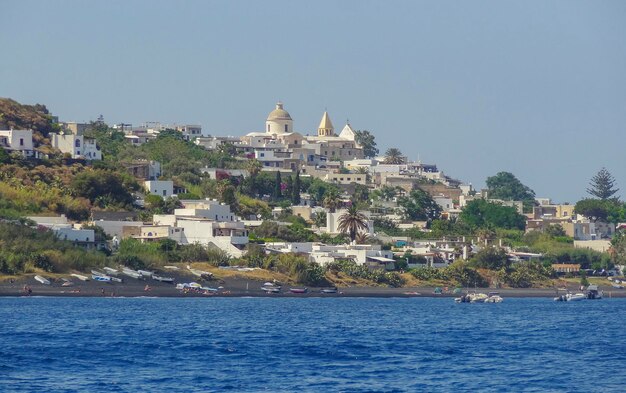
(310, 344)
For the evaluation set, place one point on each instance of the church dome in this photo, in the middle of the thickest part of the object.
(279, 113)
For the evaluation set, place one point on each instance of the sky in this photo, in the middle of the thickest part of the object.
(536, 88)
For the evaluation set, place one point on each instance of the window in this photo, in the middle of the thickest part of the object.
(164, 192)
(78, 152)
(262, 155)
(286, 128)
(77, 143)
(268, 128)
(21, 141)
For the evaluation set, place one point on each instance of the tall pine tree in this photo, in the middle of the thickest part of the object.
(601, 185)
(295, 192)
(277, 187)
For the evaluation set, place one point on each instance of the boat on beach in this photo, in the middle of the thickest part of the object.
(328, 290)
(80, 277)
(163, 279)
(42, 280)
(102, 278)
(111, 271)
(271, 289)
(298, 290)
(200, 273)
(131, 273)
(145, 273)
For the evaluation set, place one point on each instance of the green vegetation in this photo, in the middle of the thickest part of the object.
(394, 156)
(419, 206)
(602, 185)
(366, 140)
(505, 186)
(482, 214)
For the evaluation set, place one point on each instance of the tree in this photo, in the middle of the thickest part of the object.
(419, 205)
(295, 193)
(106, 186)
(394, 156)
(490, 258)
(253, 166)
(505, 186)
(366, 140)
(599, 210)
(480, 214)
(352, 222)
(618, 248)
(602, 185)
(278, 194)
(331, 199)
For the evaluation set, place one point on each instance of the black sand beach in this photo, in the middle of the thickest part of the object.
(240, 287)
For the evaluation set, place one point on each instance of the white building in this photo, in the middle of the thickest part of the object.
(278, 121)
(162, 188)
(78, 146)
(18, 140)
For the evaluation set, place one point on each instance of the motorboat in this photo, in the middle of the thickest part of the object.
(98, 273)
(102, 278)
(328, 290)
(617, 286)
(412, 293)
(42, 280)
(163, 279)
(298, 290)
(200, 273)
(571, 297)
(271, 289)
(116, 279)
(472, 298)
(80, 277)
(171, 267)
(593, 292)
(493, 297)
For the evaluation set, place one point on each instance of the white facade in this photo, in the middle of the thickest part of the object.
(190, 131)
(77, 145)
(324, 253)
(162, 188)
(18, 140)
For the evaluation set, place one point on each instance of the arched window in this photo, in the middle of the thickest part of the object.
(286, 127)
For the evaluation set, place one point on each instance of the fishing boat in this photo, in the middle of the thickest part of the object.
(594, 293)
(163, 279)
(42, 280)
(298, 290)
(98, 273)
(271, 289)
(328, 290)
(145, 273)
(171, 267)
(111, 271)
(80, 277)
(102, 278)
(131, 273)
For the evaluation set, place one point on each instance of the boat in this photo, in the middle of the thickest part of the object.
(328, 290)
(145, 273)
(98, 273)
(271, 289)
(80, 277)
(116, 279)
(617, 286)
(594, 293)
(170, 267)
(472, 298)
(493, 297)
(200, 273)
(412, 293)
(42, 280)
(571, 297)
(111, 271)
(163, 279)
(131, 273)
(103, 278)
(298, 290)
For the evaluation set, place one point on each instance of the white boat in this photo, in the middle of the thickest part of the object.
(42, 280)
(116, 279)
(617, 286)
(200, 273)
(594, 293)
(472, 298)
(111, 271)
(103, 278)
(271, 289)
(80, 277)
(571, 297)
(131, 273)
(162, 279)
(494, 297)
(170, 267)
(145, 273)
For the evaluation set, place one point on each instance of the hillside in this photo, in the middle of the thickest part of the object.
(21, 116)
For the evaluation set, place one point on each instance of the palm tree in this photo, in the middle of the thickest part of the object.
(331, 200)
(394, 156)
(363, 238)
(352, 222)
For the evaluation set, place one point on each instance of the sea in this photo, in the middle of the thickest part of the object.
(311, 345)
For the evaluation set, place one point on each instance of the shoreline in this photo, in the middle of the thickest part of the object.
(237, 287)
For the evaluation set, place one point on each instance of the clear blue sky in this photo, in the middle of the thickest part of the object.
(537, 88)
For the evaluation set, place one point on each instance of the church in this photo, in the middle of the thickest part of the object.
(281, 146)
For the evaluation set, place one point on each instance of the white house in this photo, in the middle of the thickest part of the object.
(78, 146)
(17, 140)
(163, 188)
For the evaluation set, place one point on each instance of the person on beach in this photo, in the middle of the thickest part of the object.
(147, 288)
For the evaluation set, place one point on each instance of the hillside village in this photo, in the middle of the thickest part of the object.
(327, 197)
